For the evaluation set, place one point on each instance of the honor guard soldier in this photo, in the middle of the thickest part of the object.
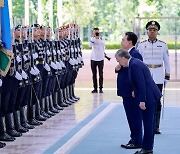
(46, 73)
(35, 76)
(26, 60)
(22, 87)
(156, 57)
(53, 78)
(62, 56)
(10, 87)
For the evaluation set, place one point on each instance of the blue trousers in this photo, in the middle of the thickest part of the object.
(148, 122)
(134, 118)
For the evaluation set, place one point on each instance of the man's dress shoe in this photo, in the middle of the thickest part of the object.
(130, 146)
(143, 151)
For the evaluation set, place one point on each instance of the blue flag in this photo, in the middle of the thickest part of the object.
(5, 53)
(5, 26)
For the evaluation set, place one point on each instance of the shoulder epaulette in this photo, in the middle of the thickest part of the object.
(144, 41)
(162, 41)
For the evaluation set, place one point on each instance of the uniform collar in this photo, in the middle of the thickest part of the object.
(152, 41)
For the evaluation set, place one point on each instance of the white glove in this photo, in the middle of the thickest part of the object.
(62, 64)
(62, 51)
(25, 58)
(32, 71)
(165, 82)
(54, 66)
(18, 59)
(59, 52)
(47, 68)
(72, 50)
(37, 70)
(54, 52)
(78, 59)
(71, 61)
(35, 55)
(18, 76)
(59, 66)
(0, 82)
(24, 75)
(48, 52)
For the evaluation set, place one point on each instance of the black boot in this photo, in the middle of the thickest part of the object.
(158, 116)
(51, 107)
(61, 99)
(23, 119)
(17, 123)
(31, 116)
(66, 97)
(69, 95)
(47, 109)
(2, 145)
(55, 100)
(3, 135)
(10, 129)
(73, 95)
(38, 116)
(43, 113)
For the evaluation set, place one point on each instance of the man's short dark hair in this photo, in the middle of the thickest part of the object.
(132, 37)
(122, 53)
(95, 28)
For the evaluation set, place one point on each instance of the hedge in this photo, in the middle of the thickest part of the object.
(85, 45)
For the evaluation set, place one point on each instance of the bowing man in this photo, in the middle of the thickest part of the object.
(146, 92)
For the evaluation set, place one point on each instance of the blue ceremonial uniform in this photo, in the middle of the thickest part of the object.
(125, 91)
(145, 90)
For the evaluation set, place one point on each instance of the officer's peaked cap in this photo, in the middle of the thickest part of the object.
(35, 25)
(153, 25)
(16, 27)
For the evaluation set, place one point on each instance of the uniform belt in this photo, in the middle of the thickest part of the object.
(154, 66)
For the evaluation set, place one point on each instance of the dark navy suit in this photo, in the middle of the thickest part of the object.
(146, 91)
(125, 91)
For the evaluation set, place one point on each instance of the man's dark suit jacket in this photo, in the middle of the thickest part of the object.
(143, 85)
(123, 85)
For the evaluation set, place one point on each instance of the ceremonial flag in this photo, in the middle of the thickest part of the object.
(5, 36)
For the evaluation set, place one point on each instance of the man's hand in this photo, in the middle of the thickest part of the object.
(118, 67)
(133, 95)
(142, 105)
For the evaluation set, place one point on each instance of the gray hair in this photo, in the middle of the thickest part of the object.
(122, 53)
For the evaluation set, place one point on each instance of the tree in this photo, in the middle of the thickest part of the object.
(78, 10)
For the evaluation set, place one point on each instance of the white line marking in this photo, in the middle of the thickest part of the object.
(83, 131)
(111, 89)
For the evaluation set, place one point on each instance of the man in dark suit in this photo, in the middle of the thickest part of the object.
(124, 90)
(145, 92)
